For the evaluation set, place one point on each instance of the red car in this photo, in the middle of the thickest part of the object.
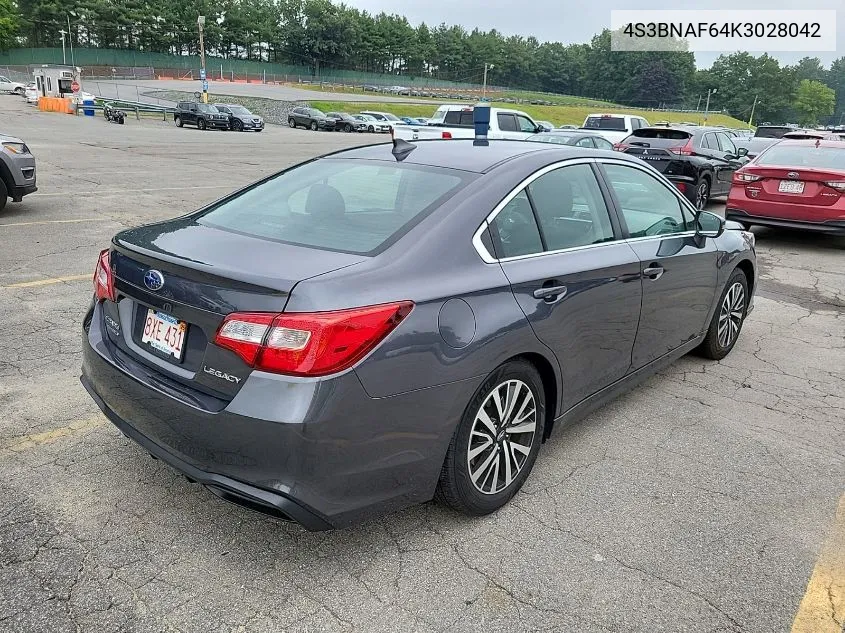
(792, 184)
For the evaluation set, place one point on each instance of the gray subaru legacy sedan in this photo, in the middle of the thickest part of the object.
(393, 323)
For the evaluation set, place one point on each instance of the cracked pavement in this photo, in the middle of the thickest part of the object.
(697, 502)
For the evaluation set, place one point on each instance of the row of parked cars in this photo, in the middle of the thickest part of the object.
(781, 176)
(365, 121)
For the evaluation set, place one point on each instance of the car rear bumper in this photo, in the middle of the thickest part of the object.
(321, 452)
(832, 227)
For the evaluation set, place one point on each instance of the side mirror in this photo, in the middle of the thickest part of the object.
(741, 151)
(709, 224)
(539, 129)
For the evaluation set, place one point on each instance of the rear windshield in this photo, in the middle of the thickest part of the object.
(657, 137)
(771, 132)
(353, 206)
(459, 117)
(559, 139)
(616, 123)
(784, 155)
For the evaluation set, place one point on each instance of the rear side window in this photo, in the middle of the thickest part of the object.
(353, 206)
(614, 123)
(507, 122)
(570, 208)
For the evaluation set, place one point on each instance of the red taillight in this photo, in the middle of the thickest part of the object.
(838, 185)
(103, 279)
(681, 186)
(620, 147)
(309, 343)
(686, 149)
(446, 135)
(741, 177)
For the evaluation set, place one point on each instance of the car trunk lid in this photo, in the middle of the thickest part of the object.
(798, 186)
(162, 296)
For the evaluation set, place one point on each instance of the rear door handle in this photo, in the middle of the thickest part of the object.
(654, 272)
(550, 293)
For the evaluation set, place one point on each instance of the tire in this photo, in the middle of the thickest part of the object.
(490, 489)
(178, 120)
(732, 306)
(348, 128)
(120, 121)
(291, 123)
(4, 194)
(18, 91)
(371, 129)
(701, 195)
(237, 125)
(201, 124)
(314, 126)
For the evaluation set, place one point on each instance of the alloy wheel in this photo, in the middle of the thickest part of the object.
(701, 194)
(502, 436)
(731, 314)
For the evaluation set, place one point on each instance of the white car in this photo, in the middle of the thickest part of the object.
(614, 127)
(30, 94)
(7, 85)
(387, 120)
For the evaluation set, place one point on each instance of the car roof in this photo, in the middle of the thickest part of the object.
(812, 142)
(463, 154)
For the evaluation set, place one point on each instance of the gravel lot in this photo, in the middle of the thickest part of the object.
(698, 502)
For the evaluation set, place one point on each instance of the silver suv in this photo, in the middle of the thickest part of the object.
(17, 170)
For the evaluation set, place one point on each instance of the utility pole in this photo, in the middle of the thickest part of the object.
(698, 107)
(753, 105)
(64, 57)
(707, 107)
(200, 24)
(484, 84)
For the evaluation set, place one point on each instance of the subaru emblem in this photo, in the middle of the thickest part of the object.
(154, 280)
(793, 175)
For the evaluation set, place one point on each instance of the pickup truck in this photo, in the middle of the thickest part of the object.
(614, 127)
(765, 136)
(455, 121)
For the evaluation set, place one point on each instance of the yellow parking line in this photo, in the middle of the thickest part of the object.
(48, 281)
(97, 192)
(53, 222)
(25, 442)
(822, 609)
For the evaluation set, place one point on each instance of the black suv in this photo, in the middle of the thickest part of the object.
(312, 118)
(346, 122)
(700, 161)
(240, 119)
(203, 115)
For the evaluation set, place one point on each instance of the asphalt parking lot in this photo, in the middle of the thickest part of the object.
(705, 500)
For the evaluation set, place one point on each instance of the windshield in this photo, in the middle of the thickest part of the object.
(558, 139)
(239, 110)
(391, 117)
(606, 122)
(207, 108)
(771, 132)
(786, 155)
(354, 206)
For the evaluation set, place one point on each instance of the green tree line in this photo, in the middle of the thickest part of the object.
(322, 34)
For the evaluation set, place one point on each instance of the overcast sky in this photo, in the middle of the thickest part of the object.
(576, 22)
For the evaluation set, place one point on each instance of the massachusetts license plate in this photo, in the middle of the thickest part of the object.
(791, 186)
(164, 333)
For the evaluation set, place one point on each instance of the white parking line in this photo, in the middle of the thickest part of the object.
(147, 190)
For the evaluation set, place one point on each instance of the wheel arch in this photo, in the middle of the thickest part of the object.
(551, 390)
(747, 267)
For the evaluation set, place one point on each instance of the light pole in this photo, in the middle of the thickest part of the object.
(753, 106)
(707, 107)
(64, 57)
(200, 24)
(484, 83)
